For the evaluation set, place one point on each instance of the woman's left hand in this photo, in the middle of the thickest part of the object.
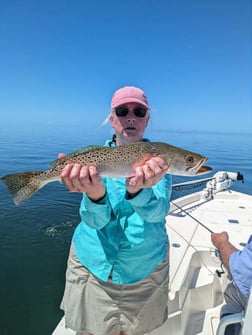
(147, 175)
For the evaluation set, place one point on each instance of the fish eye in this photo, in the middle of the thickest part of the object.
(189, 159)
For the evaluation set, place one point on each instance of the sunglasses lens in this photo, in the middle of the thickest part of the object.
(140, 112)
(121, 111)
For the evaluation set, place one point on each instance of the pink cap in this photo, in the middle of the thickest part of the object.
(129, 94)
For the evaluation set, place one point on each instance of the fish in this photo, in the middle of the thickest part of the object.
(111, 162)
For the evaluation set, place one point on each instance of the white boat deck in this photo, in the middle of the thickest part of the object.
(196, 290)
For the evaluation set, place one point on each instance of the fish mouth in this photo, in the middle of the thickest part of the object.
(204, 169)
(130, 128)
(200, 168)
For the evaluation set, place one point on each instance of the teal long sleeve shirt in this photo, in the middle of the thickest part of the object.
(124, 237)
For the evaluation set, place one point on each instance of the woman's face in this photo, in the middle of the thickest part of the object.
(129, 128)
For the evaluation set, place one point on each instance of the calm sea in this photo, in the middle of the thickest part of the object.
(35, 237)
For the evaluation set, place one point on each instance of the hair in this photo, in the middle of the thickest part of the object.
(108, 117)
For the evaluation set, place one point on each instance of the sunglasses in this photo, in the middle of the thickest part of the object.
(123, 111)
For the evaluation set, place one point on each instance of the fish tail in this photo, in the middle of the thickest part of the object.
(23, 185)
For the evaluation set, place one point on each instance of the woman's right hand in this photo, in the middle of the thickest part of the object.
(78, 178)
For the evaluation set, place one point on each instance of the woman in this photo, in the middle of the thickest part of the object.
(118, 267)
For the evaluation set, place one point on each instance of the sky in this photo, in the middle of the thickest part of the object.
(61, 61)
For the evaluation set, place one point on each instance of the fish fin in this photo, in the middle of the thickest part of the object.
(22, 185)
(83, 150)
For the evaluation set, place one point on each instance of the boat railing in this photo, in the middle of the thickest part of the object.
(220, 181)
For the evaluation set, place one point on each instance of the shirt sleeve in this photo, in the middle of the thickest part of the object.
(153, 203)
(240, 263)
(95, 214)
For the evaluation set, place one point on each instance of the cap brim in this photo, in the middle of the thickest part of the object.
(128, 100)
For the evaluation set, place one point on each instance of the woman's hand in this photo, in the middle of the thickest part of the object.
(78, 178)
(147, 175)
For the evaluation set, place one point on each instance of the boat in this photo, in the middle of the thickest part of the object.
(197, 276)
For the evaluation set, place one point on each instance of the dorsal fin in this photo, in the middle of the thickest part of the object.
(75, 153)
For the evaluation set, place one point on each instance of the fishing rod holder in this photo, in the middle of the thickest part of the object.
(221, 181)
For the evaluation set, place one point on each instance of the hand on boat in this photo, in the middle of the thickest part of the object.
(147, 175)
(78, 178)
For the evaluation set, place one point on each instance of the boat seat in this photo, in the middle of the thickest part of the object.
(229, 320)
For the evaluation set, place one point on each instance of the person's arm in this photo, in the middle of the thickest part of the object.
(95, 209)
(83, 179)
(226, 249)
(148, 192)
(96, 214)
(146, 176)
(153, 203)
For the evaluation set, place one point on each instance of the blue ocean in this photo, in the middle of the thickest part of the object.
(35, 237)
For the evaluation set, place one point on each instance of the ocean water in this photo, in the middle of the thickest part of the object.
(35, 237)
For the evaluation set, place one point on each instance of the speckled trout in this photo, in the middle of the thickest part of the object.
(111, 162)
